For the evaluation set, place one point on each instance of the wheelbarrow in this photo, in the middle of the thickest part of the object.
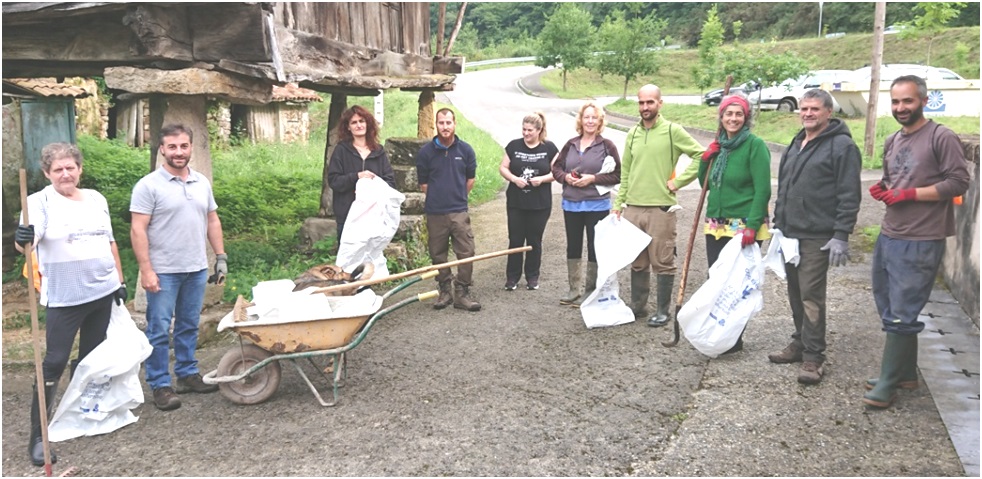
(249, 373)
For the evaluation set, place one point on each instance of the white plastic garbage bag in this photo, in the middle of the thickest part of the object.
(779, 251)
(618, 243)
(106, 384)
(372, 222)
(716, 314)
(608, 167)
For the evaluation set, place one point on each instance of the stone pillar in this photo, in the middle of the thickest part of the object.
(191, 111)
(425, 120)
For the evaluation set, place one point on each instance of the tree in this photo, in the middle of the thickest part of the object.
(710, 40)
(630, 47)
(934, 19)
(762, 67)
(566, 40)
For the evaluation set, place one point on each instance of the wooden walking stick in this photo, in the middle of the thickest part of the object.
(35, 330)
(692, 234)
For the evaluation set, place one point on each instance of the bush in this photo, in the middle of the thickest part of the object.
(112, 168)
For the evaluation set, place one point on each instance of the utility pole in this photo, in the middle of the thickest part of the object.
(820, 19)
(879, 19)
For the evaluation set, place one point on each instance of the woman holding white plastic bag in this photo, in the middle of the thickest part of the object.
(81, 274)
(578, 167)
(739, 183)
(526, 166)
(357, 155)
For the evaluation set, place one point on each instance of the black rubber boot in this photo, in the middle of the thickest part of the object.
(898, 357)
(664, 293)
(640, 290)
(35, 447)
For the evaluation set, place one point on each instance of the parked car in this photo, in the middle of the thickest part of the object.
(714, 97)
(784, 97)
(890, 71)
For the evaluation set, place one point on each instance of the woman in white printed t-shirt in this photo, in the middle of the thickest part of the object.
(81, 274)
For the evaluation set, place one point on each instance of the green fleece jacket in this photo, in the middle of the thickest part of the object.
(746, 186)
(650, 156)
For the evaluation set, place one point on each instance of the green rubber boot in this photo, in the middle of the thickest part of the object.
(575, 271)
(640, 289)
(591, 282)
(664, 293)
(898, 357)
(908, 380)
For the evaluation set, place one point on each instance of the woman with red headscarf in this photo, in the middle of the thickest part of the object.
(739, 183)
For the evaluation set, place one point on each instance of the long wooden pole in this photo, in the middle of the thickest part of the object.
(424, 269)
(35, 329)
(692, 235)
(879, 19)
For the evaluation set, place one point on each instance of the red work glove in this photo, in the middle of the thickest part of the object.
(892, 197)
(877, 191)
(749, 236)
(711, 151)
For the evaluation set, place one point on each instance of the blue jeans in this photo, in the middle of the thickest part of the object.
(181, 296)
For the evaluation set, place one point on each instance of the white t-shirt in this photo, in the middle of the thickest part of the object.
(73, 240)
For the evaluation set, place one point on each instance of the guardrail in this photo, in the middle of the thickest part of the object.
(497, 61)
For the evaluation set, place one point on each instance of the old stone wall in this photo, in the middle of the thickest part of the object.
(960, 267)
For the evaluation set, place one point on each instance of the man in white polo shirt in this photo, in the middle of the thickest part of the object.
(174, 213)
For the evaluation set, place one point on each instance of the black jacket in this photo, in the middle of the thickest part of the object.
(818, 187)
(342, 175)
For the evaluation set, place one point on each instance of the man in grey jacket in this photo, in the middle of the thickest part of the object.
(818, 196)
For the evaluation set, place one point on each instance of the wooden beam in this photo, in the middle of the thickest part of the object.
(190, 81)
(339, 103)
(444, 87)
(385, 83)
(232, 31)
(340, 90)
(448, 65)
(162, 31)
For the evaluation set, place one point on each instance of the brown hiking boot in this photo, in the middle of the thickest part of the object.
(446, 296)
(464, 300)
(166, 399)
(790, 354)
(194, 384)
(810, 373)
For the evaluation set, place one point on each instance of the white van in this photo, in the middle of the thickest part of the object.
(890, 71)
(784, 97)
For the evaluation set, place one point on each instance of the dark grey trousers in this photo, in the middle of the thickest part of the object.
(807, 284)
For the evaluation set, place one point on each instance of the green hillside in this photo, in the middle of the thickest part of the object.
(956, 48)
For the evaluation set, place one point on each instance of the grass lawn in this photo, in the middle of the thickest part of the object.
(780, 127)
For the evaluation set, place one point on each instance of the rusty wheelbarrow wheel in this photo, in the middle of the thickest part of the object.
(258, 386)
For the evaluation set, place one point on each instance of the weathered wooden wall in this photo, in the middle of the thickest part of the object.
(401, 27)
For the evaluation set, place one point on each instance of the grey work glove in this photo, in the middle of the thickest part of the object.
(221, 269)
(838, 252)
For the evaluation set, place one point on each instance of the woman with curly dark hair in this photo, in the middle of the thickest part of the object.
(357, 155)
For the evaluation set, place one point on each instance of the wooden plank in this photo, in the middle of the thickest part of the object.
(330, 13)
(344, 22)
(356, 18)
(350, 91)
(372, 20)
(230, 31)
(394, 38)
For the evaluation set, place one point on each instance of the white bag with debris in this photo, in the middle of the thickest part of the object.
(716, 314)
(106, 384)
(371, 224)
(618, 243)
(608, 167)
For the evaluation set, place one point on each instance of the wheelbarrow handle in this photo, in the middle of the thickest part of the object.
(419, 271)
(427, 295)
